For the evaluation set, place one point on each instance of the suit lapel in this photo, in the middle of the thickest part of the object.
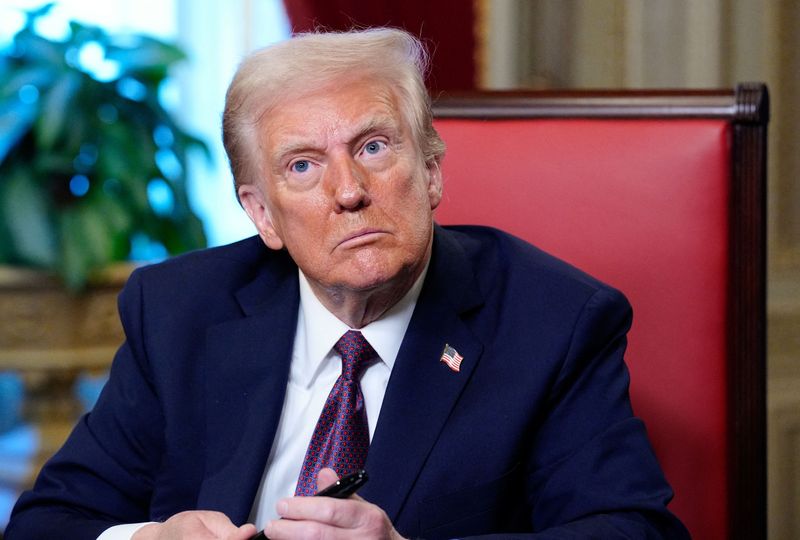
(247, 368)
(422, 390)
(247, 365)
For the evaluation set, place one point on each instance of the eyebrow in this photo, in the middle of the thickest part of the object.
(378, 123)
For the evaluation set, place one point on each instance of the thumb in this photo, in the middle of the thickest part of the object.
(326, 477)
(244, 532)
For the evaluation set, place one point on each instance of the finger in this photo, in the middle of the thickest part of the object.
(221, 526)
(336, 512)
(325, 477)
(218, 523)
(245, 532)
(196, 524)
(284, 529)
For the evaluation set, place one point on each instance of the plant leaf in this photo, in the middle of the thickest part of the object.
(81, 33)
(87, 243)
(80, 125)
(28, 220)
(191, 142)
(36, 49)
(16, 118)
(194, 235)
(147, 57)
(37, 12)
(123, 155)
(117, 215)
(6, 248)
(95, 235)
(42, 77)
(55, 109)
(74, 267)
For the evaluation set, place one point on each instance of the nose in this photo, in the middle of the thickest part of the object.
(349, 182)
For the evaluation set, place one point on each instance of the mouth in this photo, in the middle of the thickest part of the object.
(360, 238)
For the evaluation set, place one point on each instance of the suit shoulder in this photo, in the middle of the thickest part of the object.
(223, 263)
(244, 251)
(505, 261)
(207, 273)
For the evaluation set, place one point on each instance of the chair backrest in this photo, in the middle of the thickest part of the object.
(662, 195)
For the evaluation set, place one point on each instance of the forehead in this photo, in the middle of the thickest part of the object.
(338, 110)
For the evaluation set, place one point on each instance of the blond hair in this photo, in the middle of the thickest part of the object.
(309, 61)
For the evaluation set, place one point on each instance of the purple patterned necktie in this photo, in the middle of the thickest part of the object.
(341, 437)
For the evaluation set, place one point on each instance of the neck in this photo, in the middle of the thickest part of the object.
(358, 308)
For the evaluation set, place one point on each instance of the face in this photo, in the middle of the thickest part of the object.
(344, 188)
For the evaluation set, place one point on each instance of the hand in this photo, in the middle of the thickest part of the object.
(196, 524)
(324, 518)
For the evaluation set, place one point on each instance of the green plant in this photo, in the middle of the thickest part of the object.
(82, 155)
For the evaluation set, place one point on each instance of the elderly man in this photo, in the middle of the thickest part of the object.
(479, 381)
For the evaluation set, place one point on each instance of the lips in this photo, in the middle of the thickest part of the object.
(361, 237)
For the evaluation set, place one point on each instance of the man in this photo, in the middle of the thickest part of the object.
(489, 383)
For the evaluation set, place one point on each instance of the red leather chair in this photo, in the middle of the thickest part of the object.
(661, 194)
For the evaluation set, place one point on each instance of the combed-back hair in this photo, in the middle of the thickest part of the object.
(309, 61)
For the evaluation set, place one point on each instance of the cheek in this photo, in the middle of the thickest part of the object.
(414, 216)
(409, 183)
(415, 199)
(301, 217)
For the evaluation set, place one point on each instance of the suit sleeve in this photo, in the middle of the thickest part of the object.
(102, 476)
(592, 471)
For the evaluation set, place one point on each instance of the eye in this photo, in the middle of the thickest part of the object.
(374, 147)
(300, 166)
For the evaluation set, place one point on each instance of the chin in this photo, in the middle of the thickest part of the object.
(365, 283)
(361, 277)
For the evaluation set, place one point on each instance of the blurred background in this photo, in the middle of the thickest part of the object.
(152, 74)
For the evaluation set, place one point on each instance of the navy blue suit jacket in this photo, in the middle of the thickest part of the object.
(534, 434)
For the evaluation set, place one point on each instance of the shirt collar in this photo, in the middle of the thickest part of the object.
(323, 329)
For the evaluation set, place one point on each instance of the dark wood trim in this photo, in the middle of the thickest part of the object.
(747, 317)
(747, 109)
(726, 104)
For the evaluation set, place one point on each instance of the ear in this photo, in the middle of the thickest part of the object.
(254, 202)
(434, 183)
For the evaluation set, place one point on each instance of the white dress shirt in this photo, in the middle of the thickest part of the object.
(314, 370)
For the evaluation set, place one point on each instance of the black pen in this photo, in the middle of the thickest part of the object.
(341, 489)
(345, 486)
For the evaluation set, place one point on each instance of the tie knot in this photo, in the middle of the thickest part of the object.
(357, 354)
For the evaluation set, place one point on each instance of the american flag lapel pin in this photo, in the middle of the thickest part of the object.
(451, 357)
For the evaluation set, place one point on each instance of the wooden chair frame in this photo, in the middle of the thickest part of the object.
(746, 108)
